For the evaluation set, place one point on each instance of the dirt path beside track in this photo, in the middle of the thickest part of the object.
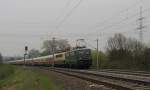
(71, 83)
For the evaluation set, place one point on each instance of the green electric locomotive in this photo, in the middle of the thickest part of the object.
(78, 58)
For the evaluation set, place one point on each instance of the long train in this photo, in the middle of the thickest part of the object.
(78, 58)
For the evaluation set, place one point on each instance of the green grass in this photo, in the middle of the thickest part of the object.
(15, 78)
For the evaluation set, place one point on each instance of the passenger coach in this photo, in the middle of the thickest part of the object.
(78, 58)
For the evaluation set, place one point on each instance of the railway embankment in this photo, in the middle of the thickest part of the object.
(19, 78)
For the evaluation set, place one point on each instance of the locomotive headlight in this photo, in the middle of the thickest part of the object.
(80, 58)
(87, 53)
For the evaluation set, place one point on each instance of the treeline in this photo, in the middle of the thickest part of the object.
(121, 53)
(48, 47)
(124, 53)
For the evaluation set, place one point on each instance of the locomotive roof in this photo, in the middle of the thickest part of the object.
(80, 49)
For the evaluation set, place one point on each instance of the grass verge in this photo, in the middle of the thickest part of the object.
(15, 78)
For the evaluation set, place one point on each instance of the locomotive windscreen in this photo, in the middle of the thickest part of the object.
(84, 52)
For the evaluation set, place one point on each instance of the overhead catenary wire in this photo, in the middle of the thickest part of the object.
(65, 8)
(116, 23)
(104, 33)
(127, 19)
(68, 14)
(145, 10)
(116, 15)
(40, 35)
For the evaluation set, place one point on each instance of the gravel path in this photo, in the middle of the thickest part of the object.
(72, 83)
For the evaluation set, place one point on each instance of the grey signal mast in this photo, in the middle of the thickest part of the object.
(141, 26)
(53, 51)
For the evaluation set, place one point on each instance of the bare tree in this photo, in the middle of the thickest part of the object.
(120, 42)
(62, 45)
(34, 53)
(58, 45)
(121, 48)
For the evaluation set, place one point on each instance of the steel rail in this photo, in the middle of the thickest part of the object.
(124, 77)
(132, 84)
(138, 73)
(106, 83)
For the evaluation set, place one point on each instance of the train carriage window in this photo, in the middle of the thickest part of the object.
(59, 55)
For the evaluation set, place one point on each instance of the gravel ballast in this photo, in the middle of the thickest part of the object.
(71, 83)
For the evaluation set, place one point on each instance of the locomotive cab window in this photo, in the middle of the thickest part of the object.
(72, 53)
(67, 55)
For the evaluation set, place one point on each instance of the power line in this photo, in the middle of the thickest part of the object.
(125, 19)
(65, 8)
(68, 14)
(116, 15)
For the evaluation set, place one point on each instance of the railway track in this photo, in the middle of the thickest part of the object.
(113, 80)
(129, 72)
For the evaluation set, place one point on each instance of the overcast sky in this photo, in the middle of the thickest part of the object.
(30, 22)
